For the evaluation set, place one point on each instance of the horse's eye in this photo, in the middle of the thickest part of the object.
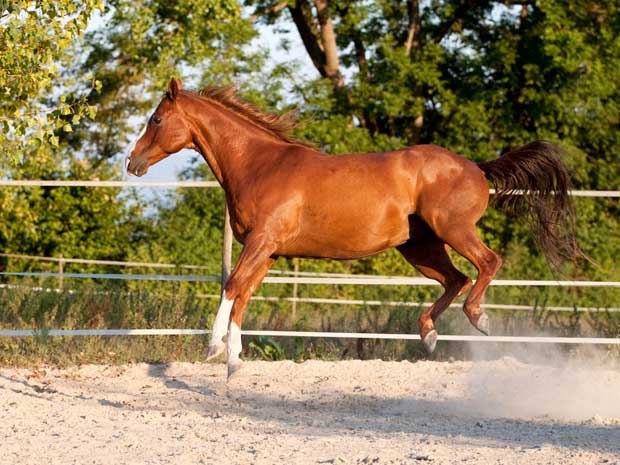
(156, 119)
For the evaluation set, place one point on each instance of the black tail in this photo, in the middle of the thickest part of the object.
(537, 170)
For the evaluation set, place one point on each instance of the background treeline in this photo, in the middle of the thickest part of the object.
(77, 80)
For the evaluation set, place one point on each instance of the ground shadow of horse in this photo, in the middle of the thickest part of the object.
(172, 382)
(333, 412)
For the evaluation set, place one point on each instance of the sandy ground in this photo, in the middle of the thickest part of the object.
(353, 412)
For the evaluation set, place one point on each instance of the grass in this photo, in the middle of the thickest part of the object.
(177, 306)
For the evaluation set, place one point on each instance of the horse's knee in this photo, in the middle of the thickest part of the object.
(239, 288)
(232, 288)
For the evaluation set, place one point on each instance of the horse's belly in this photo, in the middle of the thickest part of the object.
(348, 234)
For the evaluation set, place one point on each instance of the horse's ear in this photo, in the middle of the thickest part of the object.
(174, 86)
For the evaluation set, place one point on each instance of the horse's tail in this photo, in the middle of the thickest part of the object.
(532, 181)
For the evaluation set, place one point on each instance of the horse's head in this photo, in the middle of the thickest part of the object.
(166, 132)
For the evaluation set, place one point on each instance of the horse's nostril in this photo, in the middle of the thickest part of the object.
(136, 167)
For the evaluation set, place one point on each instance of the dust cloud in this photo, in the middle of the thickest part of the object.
(545, 381)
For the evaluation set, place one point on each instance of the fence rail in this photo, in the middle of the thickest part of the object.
(358, 302)
(147, 184)
(312, 334)
(90, 261)
(77, 183)
(357, 280)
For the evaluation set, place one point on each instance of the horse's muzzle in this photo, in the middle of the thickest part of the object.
(136, 167)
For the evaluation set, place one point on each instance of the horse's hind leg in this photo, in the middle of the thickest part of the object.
(429, 255)
(464, 240)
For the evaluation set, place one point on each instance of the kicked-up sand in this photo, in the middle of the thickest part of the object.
(349, 412)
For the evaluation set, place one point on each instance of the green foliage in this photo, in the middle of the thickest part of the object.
(110, 74)
(68, 221)
(267, 348)
(103, 306)
(478, 79)
(140, 45)
(34, 41)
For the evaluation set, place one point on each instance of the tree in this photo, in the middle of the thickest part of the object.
(34, 41)
(40, 106)
(140, 45)
(476, 76)
(117, 70)
(66, 221)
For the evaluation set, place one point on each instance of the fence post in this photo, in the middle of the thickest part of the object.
(295, 287)
(61, 267)
(226, 246)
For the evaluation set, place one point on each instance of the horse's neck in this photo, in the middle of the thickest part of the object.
(232, 146)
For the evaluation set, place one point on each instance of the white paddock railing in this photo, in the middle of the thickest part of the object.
(90, 261)
(77, 183)
(315, 334)
(391, 303)
(352, 302)
(148, 184)
(358, 280)
(309, 334)
(298, 279)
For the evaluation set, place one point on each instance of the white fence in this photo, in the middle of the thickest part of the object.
(313, 334)
(365, 280)
(64, 183)
(298, 278)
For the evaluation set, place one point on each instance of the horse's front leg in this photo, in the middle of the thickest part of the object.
(254, 262)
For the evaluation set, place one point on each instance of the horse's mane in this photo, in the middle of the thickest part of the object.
(279, 126)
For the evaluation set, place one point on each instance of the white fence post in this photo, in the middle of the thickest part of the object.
(61, 268)
(295, 290)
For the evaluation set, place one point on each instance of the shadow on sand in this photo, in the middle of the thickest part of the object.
(329, 412)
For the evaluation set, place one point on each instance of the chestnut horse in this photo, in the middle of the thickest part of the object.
(288, 199)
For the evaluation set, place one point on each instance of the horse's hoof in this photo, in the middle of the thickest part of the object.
(430, 341)
(483, 325)
(233, 368)
(215, 349)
